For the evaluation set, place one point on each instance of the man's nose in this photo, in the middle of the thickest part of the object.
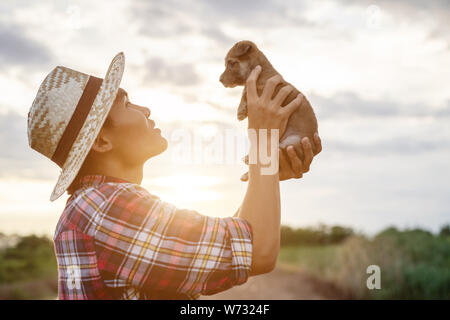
(145, 111)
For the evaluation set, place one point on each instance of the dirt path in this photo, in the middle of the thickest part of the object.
(282, 283)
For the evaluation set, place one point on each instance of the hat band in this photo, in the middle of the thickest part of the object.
(76, 121)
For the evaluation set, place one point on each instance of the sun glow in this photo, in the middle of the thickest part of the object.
(185, 188)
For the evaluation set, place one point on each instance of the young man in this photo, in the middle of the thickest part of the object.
(115, 240)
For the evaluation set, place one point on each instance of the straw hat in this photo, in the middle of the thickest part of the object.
(67, 115)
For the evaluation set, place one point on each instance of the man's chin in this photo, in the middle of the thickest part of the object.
(164, 145)
(160, 146)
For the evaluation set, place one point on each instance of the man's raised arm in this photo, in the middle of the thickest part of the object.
(261, 205)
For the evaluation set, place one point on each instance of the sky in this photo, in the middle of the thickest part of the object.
(376, 73)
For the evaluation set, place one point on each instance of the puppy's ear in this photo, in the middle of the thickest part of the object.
(241, 49)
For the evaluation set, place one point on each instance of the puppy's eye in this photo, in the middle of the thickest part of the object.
(231, 63)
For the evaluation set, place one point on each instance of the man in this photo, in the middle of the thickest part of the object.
(115, 240)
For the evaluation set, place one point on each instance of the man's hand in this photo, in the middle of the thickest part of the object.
(293, 167)
(265, 112)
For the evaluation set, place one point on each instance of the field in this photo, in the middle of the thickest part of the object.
(414, 264)
(323, 263)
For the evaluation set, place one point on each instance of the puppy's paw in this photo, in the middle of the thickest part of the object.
(242, 109)
(295, 141)
(245, 159)
(241, 116)
(244, 177)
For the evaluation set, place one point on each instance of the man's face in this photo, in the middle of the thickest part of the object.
(133, 135)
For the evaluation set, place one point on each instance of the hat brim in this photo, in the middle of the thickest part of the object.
(91, 127)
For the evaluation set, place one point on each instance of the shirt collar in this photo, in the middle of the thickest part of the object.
(96, 180)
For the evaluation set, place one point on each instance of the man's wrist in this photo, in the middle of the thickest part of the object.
(264, 149)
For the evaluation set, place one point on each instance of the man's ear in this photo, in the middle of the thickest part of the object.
(102, 143)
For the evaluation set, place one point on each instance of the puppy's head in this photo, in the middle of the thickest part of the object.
(239, 61)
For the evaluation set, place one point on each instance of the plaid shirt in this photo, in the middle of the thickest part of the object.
(115, 240)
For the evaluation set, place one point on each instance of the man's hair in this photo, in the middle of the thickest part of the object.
(85, 167)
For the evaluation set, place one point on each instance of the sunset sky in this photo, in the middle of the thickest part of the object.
(376, 73)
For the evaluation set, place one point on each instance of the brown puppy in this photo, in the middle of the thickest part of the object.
(239, 62)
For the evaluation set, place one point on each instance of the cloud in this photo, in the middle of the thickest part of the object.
(18, 49)
(161, 19)
(437, 11)
(395, 145)
(444, 112)
(216, 34)
(351, 105)
(349, 124)
(12, 136)
(158, 71)
(264, 15)
(231, 112)
(208, 18)
(406, 8)
(244, 11)
(17, 159)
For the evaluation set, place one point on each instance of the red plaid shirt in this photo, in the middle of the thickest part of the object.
(115, 240)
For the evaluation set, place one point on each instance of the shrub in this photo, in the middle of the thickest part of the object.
(31, 258)
(321, 235)
(414, 265)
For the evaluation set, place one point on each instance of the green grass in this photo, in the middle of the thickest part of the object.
(414, 264)
(28, 270)
(316, 260)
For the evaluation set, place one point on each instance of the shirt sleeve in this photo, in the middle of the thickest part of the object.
(168, 252)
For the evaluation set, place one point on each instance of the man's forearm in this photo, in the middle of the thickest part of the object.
(261, 208)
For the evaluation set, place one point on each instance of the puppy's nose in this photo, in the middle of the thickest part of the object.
(221, 78)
